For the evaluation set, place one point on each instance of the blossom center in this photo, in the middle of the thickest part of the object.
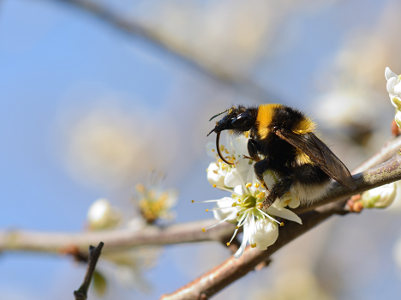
(249, 202)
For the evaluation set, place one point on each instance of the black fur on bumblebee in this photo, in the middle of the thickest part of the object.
(282, 140)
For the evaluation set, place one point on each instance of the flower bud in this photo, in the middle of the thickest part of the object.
(379, 197)
(101, 215)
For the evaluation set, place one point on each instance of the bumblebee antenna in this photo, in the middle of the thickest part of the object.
(218, 148)
(210, 132)
(218, 114)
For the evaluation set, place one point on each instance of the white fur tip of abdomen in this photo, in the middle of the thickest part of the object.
(309, 193)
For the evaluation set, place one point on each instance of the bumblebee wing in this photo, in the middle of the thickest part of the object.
(320, 154)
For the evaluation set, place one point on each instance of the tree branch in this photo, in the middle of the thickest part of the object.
(115, 240)
(19, 240)
(94, 254)
(232, 269)
(180, 233)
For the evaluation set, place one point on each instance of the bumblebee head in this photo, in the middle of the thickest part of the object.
(239, 119)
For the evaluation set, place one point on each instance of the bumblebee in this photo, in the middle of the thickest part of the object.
(282, 140)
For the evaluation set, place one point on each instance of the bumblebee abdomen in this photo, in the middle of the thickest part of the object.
(309, 182)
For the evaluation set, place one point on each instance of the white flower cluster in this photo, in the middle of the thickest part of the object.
(243, 207)
(127, 265)
(383, 196)
(394, 90)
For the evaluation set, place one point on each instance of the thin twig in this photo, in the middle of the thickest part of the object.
(94, 253)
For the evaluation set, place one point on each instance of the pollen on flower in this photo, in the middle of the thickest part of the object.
(261, 195)
(192, 201)
(213, 150)
(246, 134)
(206, 210)
(282, 224)
(203, 229)
(244, 207)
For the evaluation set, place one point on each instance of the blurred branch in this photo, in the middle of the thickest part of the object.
(94, 254)
(162, 42)
(59, 243)
(333, 204)
(385, 153)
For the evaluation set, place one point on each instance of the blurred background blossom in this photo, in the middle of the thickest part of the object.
(90, 109)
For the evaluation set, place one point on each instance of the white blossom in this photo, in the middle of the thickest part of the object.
(394, 90)
(219, 173)
(156, 203)
(244, 206)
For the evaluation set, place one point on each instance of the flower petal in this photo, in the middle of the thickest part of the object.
(263, 234)
(215, 174)
(389, 74)
(284, 213)
(225, 210)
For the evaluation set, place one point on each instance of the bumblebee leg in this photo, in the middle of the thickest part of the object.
(278, 190)
(260, 167)
(253, 150)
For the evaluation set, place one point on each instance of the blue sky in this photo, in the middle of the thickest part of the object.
(53, 58)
